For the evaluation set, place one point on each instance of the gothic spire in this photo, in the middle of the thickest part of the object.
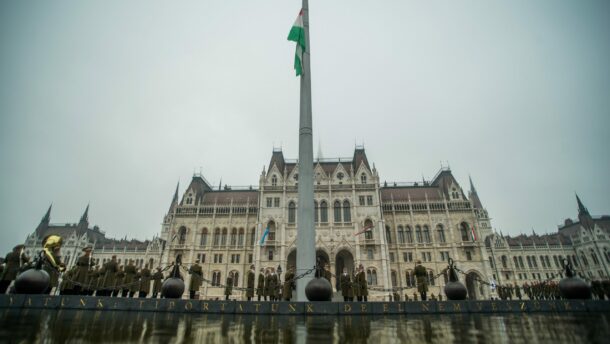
(472, 189)
(583, 215)
(582, 210)
(47, 216)
(474, 197)
(85, 217)
(175, 199)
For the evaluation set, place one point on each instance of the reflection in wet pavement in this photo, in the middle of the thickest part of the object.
(32, 325)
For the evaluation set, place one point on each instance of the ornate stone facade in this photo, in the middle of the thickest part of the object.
(428, 221)
(585, 243)
(77, 236)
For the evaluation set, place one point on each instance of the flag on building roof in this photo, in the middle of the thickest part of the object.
(297, 34)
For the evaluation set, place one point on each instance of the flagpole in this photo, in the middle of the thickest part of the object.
(306, 232)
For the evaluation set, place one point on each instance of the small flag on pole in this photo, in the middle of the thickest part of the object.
(265, 235)
(365, 229)
(297, 34)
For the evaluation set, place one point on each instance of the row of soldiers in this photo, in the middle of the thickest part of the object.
(268, 287)
(111, 279)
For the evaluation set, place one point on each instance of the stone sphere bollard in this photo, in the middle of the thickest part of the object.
(454, 289)
(318, 289)
(172, 288)
(572, 287)
(32, 281)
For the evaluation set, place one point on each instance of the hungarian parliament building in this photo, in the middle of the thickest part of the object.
(431, 221)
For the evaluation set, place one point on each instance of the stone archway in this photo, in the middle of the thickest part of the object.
(344, 259)
(322, 256)
(292, 259)
(474, 287)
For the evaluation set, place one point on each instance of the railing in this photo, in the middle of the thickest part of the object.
(273, 188)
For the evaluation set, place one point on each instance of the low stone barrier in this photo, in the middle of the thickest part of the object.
(296, 308)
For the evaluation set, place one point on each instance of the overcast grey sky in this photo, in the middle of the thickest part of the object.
(113, 102)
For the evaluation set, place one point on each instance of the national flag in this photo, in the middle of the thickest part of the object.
(365, 229)
(297, 34)
(473, 235)
(265, 235)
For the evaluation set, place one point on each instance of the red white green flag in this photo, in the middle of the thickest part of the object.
(297, 34)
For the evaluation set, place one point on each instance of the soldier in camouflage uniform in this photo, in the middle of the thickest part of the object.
(157, 282)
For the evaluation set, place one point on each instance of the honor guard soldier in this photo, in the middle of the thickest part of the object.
(260, 287)
(517, 291)
(134, 286)
(345, 282)
(130, 275)
(144, 282)
(108, 278)
(196, 278)
(288, 284)
(362, 284)
(13, 261)
(157, 282)
(81, 275)
(229, 286)
(119, 286)
(250, 283)
(421, 276)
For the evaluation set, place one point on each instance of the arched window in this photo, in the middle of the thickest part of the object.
(542, 261)
(371, 276)
(337, 211)
(401, 235)
(594, 257)
(271, 235)
(316, 208)
(491, 262)
(240, 241)
(363, 178)
(464, 231)
(418, 235)
(223, 238)
(203, 241)
(505, 262)
(234, 237)
(607, 254)
(182, 235)
(574, 260)
(516, 262)
(235, 279)
(427, 238)
(252, 236)
(347, 212)
(215, 278)
(323, 212)
(217, 237)
(292, 209)
(410, 278)
(368, 235)
(388, 234)
(431, 277)
(409, 234)
(394, 279)
(274, 180)
(441, 233)
(521, 262)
